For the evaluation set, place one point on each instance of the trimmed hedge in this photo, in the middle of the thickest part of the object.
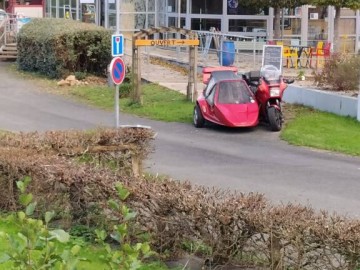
(219, 225)
(58, 47)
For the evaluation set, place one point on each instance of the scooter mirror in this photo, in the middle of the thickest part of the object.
(289, 81)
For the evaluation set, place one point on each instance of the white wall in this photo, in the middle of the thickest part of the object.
(324, 101)
(32, 12)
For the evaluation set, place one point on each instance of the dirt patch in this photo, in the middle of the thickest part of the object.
(290, 111)
(95, 80)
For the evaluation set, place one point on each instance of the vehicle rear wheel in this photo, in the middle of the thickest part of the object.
(275, 119)
(198, 118)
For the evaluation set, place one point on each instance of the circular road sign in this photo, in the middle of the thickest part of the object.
(117, 70)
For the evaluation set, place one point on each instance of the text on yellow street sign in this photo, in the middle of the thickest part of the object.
(167, 42)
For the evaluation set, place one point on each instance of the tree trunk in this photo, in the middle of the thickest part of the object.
(336, 30)
(277, 30)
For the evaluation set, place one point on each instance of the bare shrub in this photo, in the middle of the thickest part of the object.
(340, 72)
(233, 227)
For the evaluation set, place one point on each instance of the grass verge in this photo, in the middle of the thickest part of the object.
(322, 130)
(159, 103)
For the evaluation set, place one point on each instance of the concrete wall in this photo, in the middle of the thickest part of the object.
(324, 101)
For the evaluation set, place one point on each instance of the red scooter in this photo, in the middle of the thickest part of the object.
(268, 85)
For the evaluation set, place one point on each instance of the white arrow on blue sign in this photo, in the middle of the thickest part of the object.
(117, 45)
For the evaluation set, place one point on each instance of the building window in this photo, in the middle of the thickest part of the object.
(318, 25)
(292, 27)
(348, 33)
(318, 13)
(174, 4)
(173, 21)
(206, 7)
(205, 24)
(255, 28)
(234, 7)
(151, 5)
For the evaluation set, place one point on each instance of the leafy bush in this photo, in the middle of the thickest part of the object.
(80, 75)
(84, 232)
(126, 255)
(340, 72)
(57, 47)
(125, 90)
(35, 246)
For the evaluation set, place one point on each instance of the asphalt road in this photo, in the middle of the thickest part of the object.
(249, 160)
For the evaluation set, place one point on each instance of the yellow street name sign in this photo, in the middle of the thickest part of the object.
(167, 42)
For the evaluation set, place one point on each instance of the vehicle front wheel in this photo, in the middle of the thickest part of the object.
(198, 118)
(275, 119)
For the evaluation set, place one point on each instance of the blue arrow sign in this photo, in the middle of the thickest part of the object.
(117, 45)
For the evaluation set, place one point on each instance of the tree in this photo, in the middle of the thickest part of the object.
(277, 5)
(338, 4)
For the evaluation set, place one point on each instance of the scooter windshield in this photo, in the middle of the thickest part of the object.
(270, 73)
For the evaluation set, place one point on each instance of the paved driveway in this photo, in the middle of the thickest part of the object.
(244, 159)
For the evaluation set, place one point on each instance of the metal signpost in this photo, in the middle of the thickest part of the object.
(117, 66)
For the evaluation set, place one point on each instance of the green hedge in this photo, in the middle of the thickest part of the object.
(58, 47)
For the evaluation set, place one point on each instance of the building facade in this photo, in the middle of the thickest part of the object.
(306, 23)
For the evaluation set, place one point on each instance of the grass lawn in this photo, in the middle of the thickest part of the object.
(323, 131)
(159, 103)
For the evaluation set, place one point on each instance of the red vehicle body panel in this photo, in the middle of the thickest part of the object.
(231, 115)
(263, 93)
(208, 70)
(241, 112)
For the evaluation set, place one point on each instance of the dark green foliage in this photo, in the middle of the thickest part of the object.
(125, 90)
(57, 47)
(340, 73)
(80, 75)
(82, 231)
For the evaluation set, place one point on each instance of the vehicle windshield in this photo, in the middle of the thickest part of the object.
(234, 92)
(270, 73)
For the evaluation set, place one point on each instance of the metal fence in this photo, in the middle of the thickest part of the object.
(243, 48)
(8, 29)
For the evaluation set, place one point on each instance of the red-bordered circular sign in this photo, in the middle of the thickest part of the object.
(117, 70)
